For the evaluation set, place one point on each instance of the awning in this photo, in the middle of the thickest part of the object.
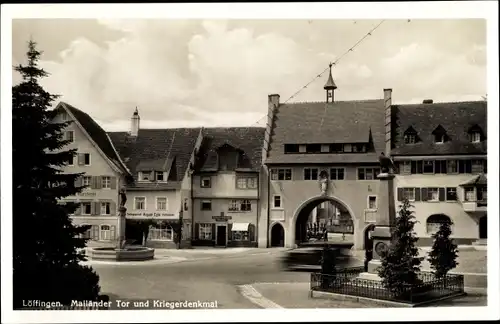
(477, 180)
(240, 227)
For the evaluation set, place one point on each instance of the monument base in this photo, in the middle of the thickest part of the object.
(369, 276)
(372, 273)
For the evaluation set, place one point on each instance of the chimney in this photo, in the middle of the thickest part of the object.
(388, 117)
(273, 103)
(428, 101)
(134, 129)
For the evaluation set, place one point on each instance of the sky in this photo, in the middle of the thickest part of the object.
(188, 73)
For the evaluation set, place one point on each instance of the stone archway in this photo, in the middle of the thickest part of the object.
(297, 232)
(277, 235)
(483, 227)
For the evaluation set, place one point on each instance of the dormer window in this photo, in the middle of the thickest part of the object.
(440, 136)
(145, 176)
(439, 139)
(159, 175)
(359, 148)
(410, 136)
(476, 134)
(410, 139)
(475, 137)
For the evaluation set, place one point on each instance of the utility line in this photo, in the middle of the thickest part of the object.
(351, 49)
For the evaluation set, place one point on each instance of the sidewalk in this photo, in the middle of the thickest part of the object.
(296, 295)
(165, 256)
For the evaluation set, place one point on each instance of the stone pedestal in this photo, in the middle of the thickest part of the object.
(122, 211)
(386, 217)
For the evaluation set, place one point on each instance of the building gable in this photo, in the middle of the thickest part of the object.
(96, 136)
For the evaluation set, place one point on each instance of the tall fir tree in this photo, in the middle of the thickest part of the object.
(400, 264)
(444, 252)
(46, 245)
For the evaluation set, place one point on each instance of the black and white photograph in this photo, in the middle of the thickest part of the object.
(236, 162)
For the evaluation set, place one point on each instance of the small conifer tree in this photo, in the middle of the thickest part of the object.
(400, 264)
(444, 252)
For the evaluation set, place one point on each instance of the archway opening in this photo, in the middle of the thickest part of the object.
(483, 227)
(321, 217)
(434, 222)
(277, 236)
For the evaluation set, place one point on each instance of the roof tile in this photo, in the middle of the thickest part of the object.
(455, 117)
(327, 123)
(95, 131)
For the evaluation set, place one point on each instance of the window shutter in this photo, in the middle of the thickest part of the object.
(98, 207)
(196, 231)
(400, 194)
(95, 232)
(413, 167)
(78, 210)
(81, 159)
(113, 182)
(417, 194)
(213, 232)
(251, 232)
(424, 194)
(92, 208)
(442, 194)
(98, 182)
(229, 232)
(65, 136)
(444, 167)
(78, 182)
(420, 167)
(93, 183)
(468, 166)
(437, 166)
(112, 208)
(112, 232)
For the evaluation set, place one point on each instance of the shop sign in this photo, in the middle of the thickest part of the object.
(152, 215)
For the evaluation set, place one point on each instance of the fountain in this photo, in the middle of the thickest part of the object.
(122, 252)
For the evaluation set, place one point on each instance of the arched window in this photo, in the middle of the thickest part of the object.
(105, 233)
(161, 232)
(435, 221)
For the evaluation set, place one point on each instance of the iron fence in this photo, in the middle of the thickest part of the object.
(347, 282)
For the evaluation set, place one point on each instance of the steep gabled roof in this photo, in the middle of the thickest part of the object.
(456, 118)
(327, 123)
(162, 148)
(247, 140)
(96, 134)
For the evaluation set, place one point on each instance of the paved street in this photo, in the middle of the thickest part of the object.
(212, 279)
(233, 278)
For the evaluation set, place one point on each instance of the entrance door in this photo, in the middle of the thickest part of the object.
(221, 235)
(277, 236)
(483, 227)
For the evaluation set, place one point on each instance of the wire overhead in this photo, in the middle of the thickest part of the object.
(334, 63)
